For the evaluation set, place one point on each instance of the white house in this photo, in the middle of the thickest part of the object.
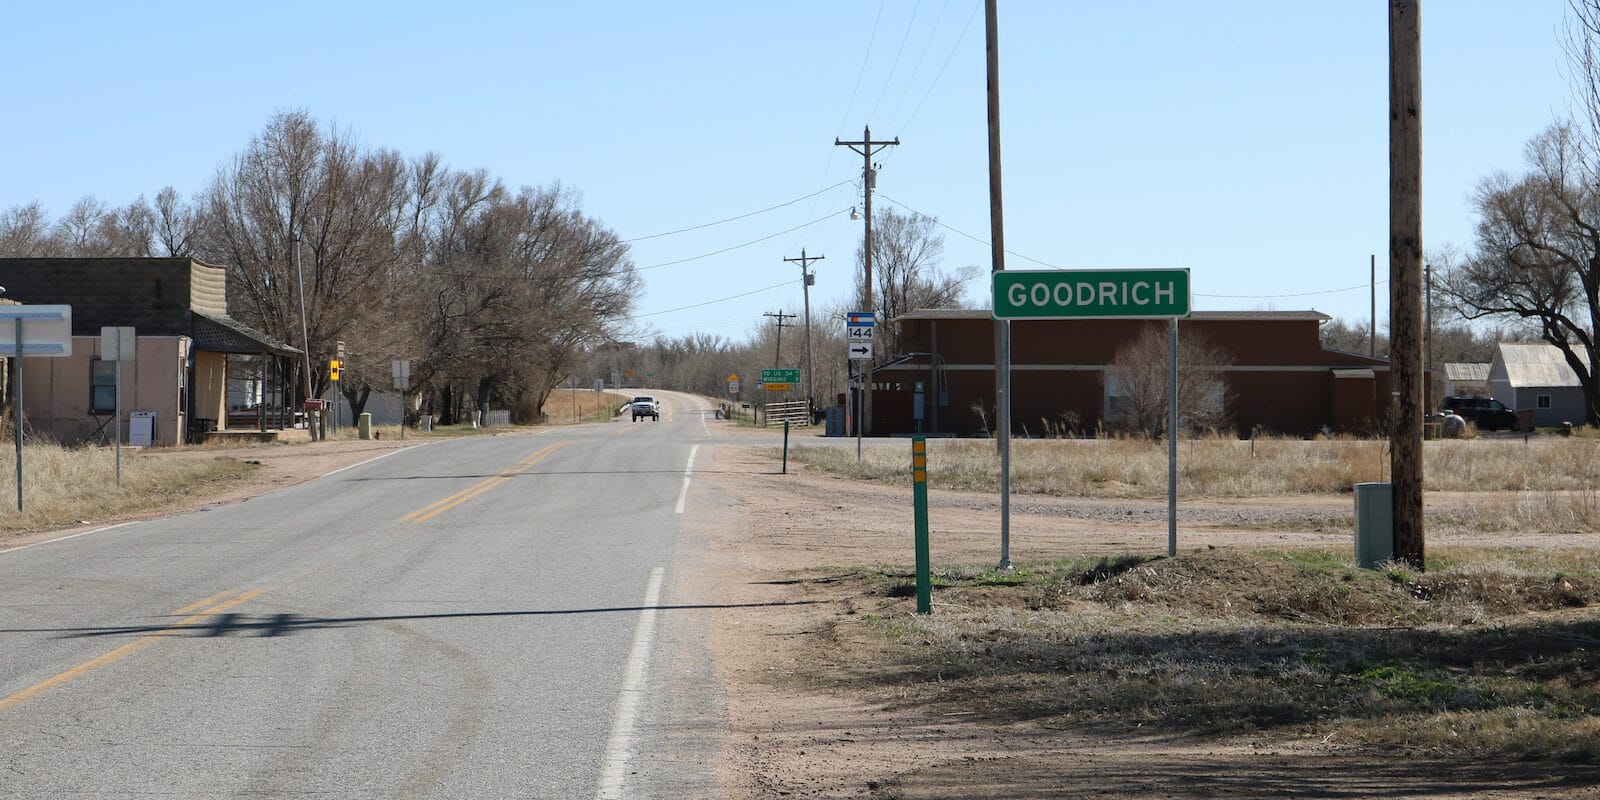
(1537, 377)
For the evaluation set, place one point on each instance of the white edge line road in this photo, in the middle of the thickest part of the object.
(688, 470)
(614, 768)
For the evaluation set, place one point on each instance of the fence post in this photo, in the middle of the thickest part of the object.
(786, 447)
(919, 500)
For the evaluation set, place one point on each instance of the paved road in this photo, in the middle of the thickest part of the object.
(478, 617)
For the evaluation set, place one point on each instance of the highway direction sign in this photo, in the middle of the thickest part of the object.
(1091, 294)
(771, 376)
(861, 351)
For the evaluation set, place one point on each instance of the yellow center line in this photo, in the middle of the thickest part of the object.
(435, 509)
(7, 703)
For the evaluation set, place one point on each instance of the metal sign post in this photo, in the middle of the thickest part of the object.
(118, 344)
(858, 328)
(400, 369)
(48, 332)
(1104, 294)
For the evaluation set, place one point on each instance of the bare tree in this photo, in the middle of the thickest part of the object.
(1537, 257)
(519, 287)
(25, 232)
(296, 179)
(1137, 384)
(907, 270)
(176, 225)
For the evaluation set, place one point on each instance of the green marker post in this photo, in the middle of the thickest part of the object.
(919, 499)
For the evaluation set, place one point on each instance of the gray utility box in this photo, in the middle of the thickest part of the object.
(1374, 524)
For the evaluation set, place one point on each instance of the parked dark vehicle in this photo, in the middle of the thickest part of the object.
(1487, 413)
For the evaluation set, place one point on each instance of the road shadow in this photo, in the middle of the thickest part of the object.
(286, 623)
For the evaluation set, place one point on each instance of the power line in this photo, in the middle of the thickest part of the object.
(712, 302)
(741, 216)
(1291, 294)
(865, 59)
(738, 246)
(895, 65)
(937, 221)
(901, 101)
(947, 59)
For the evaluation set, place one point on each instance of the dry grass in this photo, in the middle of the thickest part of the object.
(68, 486)
(1223, 467)
(591, 406)
(1481, 657)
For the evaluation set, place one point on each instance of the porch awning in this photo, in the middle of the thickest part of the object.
(224, 334)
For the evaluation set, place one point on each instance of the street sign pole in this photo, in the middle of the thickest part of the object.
(118, 411)
(16, 411)
(53, 335)
(1172, 437)
(1099, 294)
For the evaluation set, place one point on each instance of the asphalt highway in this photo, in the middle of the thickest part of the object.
(483, 617)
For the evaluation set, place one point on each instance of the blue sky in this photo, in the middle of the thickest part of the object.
(1245, 140)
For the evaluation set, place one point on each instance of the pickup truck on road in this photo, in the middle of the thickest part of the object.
(645, 406)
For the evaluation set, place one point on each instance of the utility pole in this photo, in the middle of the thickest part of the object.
(867, 147)
(808, 279)
(1405, 277)
(305, 338)
(777, 354)
(1372, 323)
(997, 256)
(1427, 337)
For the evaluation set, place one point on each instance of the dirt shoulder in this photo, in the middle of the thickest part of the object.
(801, 727)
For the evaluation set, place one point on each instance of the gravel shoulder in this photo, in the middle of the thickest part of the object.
(797, 735)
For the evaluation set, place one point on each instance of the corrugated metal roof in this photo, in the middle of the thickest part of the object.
(1536, 364)
(1463, 371)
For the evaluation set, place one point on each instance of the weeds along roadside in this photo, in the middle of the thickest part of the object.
(64, 486)
(1226, 467)
(1488, 654)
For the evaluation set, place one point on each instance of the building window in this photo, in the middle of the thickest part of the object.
(103, 397)
(1119, 400)
(1544, 401)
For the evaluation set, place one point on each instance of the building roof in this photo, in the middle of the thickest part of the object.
(1243, 316)
(1463, 371)
(1536, 364)
(224, 334)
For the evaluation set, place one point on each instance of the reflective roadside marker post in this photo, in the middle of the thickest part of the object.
(919, 500)
(786, 447)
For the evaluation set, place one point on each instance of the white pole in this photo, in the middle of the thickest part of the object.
(118, 406)
(16, 412)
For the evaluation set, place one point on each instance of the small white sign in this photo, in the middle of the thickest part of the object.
(118, 343)
(46, 331)
(861, 351)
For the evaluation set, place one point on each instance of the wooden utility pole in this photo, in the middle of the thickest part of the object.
(869, 179)
(808, 278)
(1405, 277)
(997, 257)
(777, 354)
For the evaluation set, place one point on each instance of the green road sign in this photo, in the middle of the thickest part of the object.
(1091, 293)
(780, 376)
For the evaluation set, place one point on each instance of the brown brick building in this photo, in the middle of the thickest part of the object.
(179, 309)
(1280, 377)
